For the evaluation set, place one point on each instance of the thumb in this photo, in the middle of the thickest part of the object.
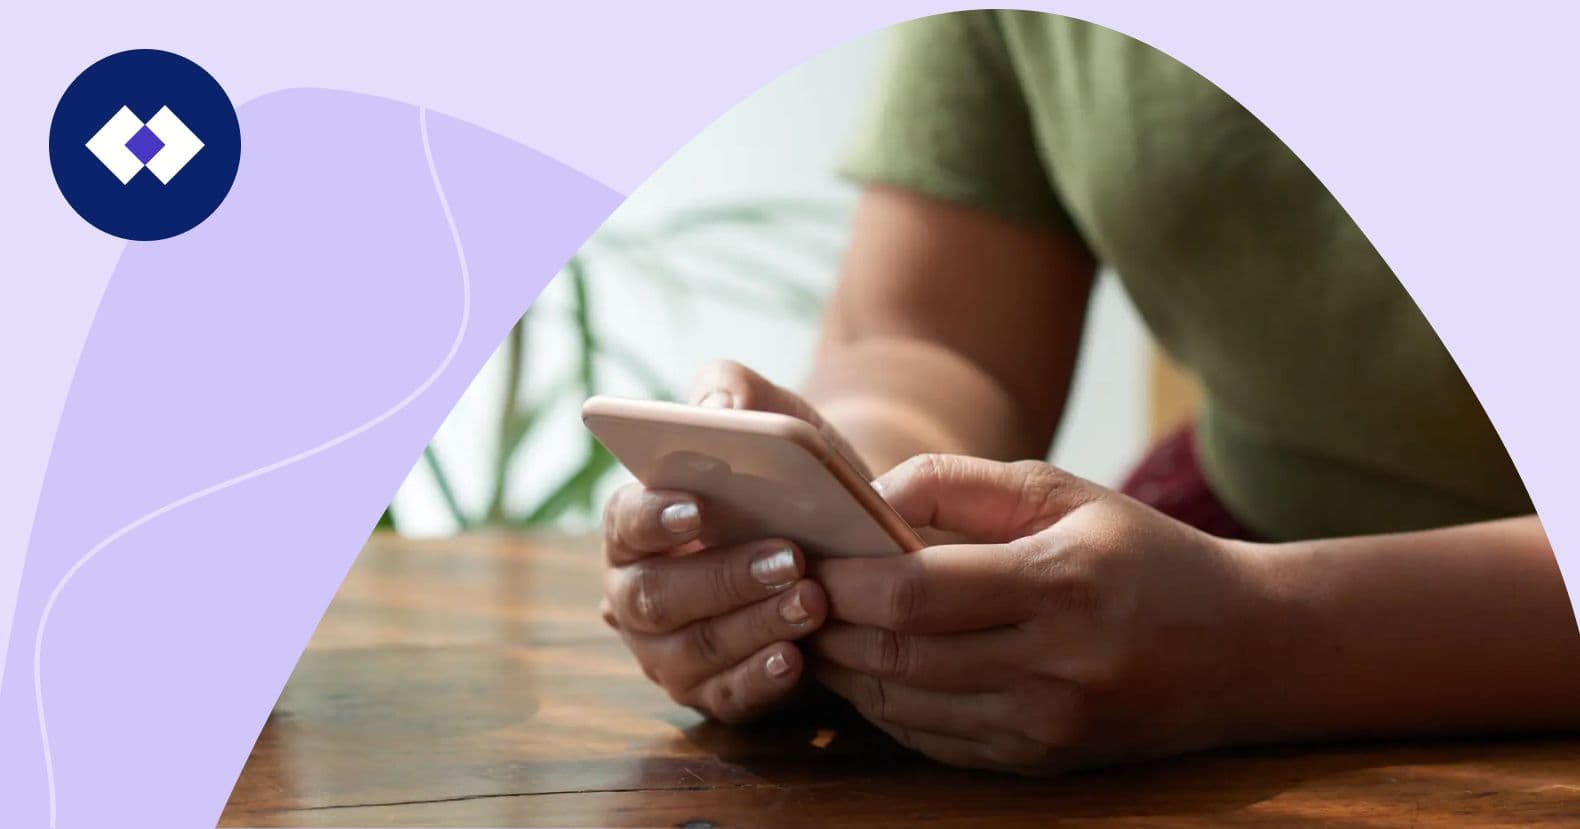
(988, 501)
(726, 384)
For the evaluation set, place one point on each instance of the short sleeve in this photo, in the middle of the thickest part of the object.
(949, 120)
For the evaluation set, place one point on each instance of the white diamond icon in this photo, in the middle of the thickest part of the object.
(180, 145)
(177, 145)
(109, 144)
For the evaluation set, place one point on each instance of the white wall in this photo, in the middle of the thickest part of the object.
(781, 142)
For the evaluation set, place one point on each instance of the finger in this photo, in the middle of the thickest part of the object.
(968, 715)
(945, 589)
(983, 499)
(751, 687)
(956, 662)
(661, 594)
(726, 384)
(729, 385)
(640, 522)
(961, 730)
(1000, 752)
(690, 655)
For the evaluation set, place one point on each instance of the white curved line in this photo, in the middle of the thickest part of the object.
(455, 346)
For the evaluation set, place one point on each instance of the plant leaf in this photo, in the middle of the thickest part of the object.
(581, 310)
(430, 456)
(509, 415)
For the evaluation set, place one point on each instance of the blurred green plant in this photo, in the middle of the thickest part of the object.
(773, 229)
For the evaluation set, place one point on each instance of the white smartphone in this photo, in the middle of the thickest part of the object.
(756, 474)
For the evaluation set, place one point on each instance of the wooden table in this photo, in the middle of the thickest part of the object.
(470, 682)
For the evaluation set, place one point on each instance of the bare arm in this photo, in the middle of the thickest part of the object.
(1083, 628)
(1459, 629)
(951, 330)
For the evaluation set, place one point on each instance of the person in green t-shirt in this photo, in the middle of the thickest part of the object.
(1339, 547)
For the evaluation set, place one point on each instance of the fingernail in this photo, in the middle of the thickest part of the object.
(680, 518)
(775, 569)
(777, 665)
(717, 399)
(878, 487)
(792, 610)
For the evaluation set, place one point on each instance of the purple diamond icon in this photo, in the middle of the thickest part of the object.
(145, 144)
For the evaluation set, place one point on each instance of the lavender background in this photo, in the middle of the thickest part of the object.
(329, 287)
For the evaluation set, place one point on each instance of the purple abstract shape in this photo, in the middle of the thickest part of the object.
(255, 305)
(144, 144)
(1512, 332)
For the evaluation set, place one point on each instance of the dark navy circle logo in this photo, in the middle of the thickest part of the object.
(144, 144)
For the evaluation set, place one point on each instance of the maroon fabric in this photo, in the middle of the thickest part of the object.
(1169, 479)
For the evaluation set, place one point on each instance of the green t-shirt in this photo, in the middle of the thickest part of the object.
(1331, 407)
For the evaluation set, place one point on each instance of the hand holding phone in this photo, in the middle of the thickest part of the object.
(757, 474)
(707, 582)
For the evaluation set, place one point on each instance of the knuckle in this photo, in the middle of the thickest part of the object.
(705, 644)
(929, 467)
(905, 600)
(723, 702)
(890, 654)
(922, 471)
(1040, 486)
(728, 699)
(763, 622)
(630, 520)
(644, 597)
(725, 583)
(871, 698)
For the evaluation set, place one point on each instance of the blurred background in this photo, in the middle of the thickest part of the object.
(725, 252)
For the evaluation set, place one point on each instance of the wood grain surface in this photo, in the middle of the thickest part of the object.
(469, 682)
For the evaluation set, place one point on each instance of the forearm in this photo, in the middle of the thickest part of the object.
(951, 329)
(894, 397)
(1460, 629)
